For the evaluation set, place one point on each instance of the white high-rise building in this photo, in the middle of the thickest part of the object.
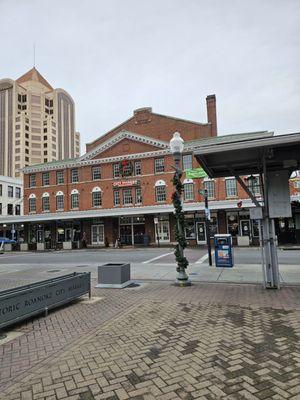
(37, 123)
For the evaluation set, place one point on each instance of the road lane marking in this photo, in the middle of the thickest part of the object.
(158, 257)
(203, 258)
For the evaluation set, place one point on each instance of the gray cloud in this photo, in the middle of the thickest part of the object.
(118, 55)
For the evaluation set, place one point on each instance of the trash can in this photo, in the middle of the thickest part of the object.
(223, 250)
(146, 240)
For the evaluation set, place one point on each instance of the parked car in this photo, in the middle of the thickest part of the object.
(6, 240)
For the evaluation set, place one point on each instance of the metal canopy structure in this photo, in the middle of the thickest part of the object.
(274, 158)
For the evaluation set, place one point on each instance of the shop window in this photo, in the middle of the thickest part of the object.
(138, 196)
(10, 191)
(59, 177)
(138, 168)
(59, 202)
(189, 229)
(127, 196)
(187, 161)
(188, 191)
(159, 165)
(46, 178)
(97, 199)
(75, 200)
(210, 187)
(96, 173)
(74, 175)
(32, 180)
(230, 187)
(18, 192)
(32, 204)
(116, 170)
(160, 194)
(46, 203)
(233, 224)
(117, 201)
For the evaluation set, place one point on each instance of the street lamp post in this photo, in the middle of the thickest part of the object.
(176, 145)
(207, 223)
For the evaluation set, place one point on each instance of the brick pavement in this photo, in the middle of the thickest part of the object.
(161, 342)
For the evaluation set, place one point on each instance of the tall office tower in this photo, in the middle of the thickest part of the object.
(37, 123)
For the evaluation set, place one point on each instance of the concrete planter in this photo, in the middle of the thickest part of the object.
(24, 247)
(40, 246)
(7, 247)
(67, 245)
(243, 241)
(113, 275)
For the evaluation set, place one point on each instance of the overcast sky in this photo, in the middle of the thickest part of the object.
(118, 55)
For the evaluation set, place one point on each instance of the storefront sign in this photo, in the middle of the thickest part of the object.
(126, 183)
(23, 302)
(195, 173)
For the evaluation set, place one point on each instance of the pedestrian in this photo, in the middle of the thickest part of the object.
(84, 240)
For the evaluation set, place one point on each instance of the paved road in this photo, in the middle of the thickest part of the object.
(139, 255)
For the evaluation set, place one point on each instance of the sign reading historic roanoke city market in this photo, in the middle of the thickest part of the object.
(126, 183)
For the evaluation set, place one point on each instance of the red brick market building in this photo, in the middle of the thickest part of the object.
(122, 184)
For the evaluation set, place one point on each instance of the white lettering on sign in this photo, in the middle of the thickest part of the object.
(126, 183)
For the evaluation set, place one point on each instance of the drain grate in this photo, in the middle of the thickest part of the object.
(54, 270)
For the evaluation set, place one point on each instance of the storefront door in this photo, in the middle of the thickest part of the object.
(97, 234)
(245, 227)
(163, 231)
(126, 234)
(201, 234)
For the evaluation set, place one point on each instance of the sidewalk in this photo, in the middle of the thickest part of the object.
(158, 341)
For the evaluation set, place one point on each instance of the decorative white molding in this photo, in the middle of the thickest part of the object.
(119, 137)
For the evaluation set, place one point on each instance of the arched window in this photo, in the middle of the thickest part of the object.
(74, 198)
(160, 191)
(188, 186)
(32, 203)
(45, 202)
(59, 201)
(96, 197)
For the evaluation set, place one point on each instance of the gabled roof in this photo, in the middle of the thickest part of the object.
(34, 75)
(120, 136)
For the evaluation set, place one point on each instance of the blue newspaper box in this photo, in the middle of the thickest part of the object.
(223, 250)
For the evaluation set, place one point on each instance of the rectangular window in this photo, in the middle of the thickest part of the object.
(233, 224)
(137, 168)
(75, 200)
(46, 178)
(0, 190)
(138, 196)
(59, 202)
(74, 175)
(116, 170)
(96, 173)
(97, 199)
(160, 193)
(189, 229)
(210, 187)
(253, 184)
(127, 196)
(187, 161)
(18, 192)
(116, 198)
(159, 165)
(59, 177)
(188, 191)
(10, 191)
(230, 186)
(32, 180)
(10, 209)
(32, 205)
(46, 203)
(0, 208)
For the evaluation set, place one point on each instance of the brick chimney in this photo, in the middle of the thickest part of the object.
(212, 113)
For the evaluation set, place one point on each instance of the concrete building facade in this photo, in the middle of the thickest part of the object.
(37, 123)
(11, 202)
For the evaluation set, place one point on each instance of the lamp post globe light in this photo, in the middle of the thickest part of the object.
(176, 146)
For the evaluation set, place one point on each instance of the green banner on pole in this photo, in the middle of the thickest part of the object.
(195, 173)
